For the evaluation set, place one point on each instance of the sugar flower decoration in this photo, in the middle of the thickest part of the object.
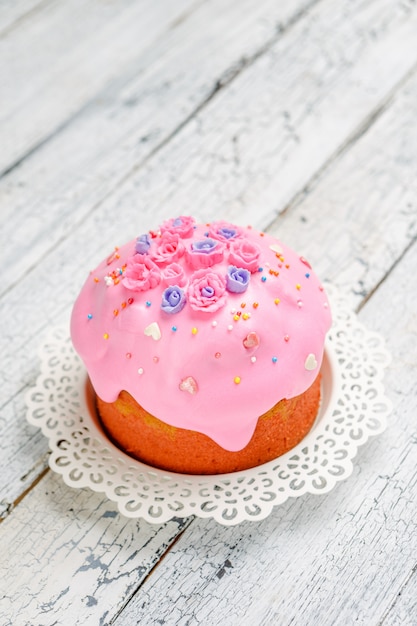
(225, 232)
(174, 274)
(173, 299)
(141, 273)
(237, 279)
(169, 248)
(205, 253)
(182, 226)
(143, 243)
(245, 254)
(206, 291)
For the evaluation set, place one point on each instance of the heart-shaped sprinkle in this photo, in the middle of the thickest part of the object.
(276, 248)
(189, 384)
(251, 340)
(311, 362)
(153, 331)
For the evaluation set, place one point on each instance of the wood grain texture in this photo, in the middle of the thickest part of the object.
(129, 120)
(296, 117)
(333, 560)
(70, 220)
(74, 560)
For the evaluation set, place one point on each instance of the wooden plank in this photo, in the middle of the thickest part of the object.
(331, 560)
(172, 79)
(79, 562)
(12, 12)
(404, 609)
(52, 291)
(31, 226)
(56, 62)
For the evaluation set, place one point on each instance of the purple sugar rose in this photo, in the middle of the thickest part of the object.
(173, 299)
(237, 279)
(143, 243)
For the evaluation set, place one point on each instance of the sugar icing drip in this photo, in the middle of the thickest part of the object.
(219, 322)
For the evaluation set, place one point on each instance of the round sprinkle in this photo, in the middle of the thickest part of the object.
(194, 330)
(286, 337)
(243, 304)
(96, 280)
(214, 324)
(236, 318)
(218, 355)
(236, 380)
(298, 286)
(130, 301)
(174, 328)
(123, 305)
(263, 279)
(277, 301)
(246, 316)
(230, 327)
(274, 359)
(300, 303)
(232, 311)
(156, 359)
(260, 269)
(307, 275)
(255, 305)
(148, 303)
(89, 316)
(325, 305)
(106, 336)
(140, 371)
(253, 359)
(116, 312)
(128, 355)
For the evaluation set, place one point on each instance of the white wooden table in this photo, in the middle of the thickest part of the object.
(298, 117)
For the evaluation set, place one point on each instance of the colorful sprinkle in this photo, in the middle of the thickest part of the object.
(148, 303)
(116, 312)
(307, 275)
(300, 303)
(237, 380)
(286, 337)
(263, 279)
(214, 324)
(106, 336)
(128, 355)
(89, 316)
(277, 301)
(274, 359)
(96, 280)
(253, 359)
(246, 316)
(174, 328)
(218, 355)
(156, 359)
(140, 371)
(130, 301)
(255, 305)
(230, 327)
(260, 269)
(194, 330)
(236, 318)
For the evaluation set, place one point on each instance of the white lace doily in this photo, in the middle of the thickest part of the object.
(353, 407)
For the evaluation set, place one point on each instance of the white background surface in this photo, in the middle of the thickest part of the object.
(298, 117)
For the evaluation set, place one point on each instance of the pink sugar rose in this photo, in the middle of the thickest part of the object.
(141, 273)
(169, 248)
(182, 226)
(206, 291)
(225, 232)
(245, 254)
(205, 253)
(174, 275)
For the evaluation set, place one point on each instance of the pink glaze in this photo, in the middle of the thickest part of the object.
(214, 370)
